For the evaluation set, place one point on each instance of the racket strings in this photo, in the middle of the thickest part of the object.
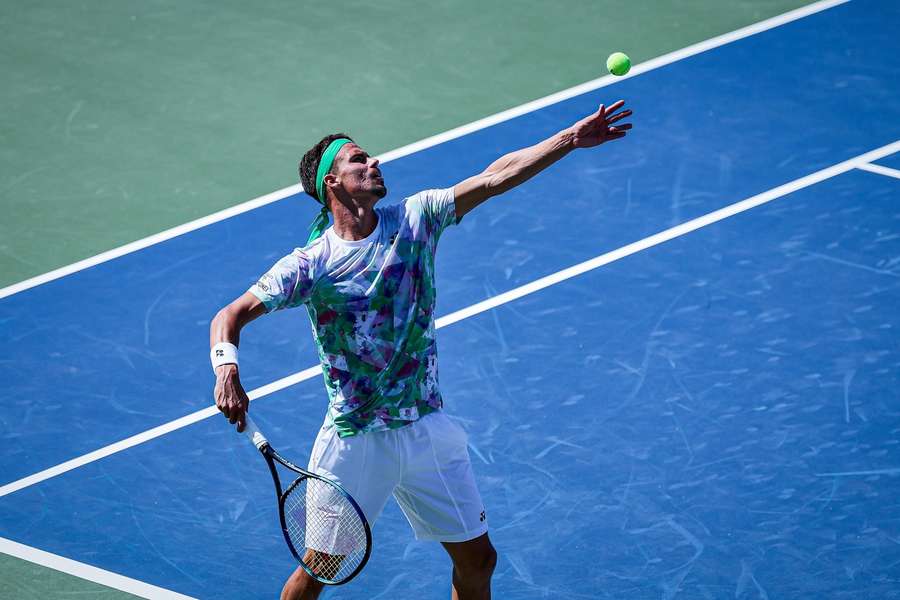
(323, 523)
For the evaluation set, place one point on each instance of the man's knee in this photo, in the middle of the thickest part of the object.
(490, 561)
(478, 564)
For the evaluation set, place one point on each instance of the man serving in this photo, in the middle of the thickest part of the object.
(368, 285)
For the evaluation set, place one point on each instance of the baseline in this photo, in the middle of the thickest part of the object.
(435, 140)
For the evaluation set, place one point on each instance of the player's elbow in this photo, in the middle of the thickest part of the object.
(240, 312)
(220, 317)
(225, 320)
(218, 322)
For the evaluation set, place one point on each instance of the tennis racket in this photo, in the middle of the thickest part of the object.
(324, 527)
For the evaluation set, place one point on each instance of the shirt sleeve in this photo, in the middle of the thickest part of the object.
(438, 210)
(287, 284)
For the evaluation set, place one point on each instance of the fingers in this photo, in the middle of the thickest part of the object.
(619, 116)
(614, 132)
(230, 412)
(236, 414)
(233, 403)
(613, 107)
(222, 402)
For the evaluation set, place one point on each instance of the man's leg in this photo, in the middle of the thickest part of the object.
(473, 564)
(300, 586)
(342, 460)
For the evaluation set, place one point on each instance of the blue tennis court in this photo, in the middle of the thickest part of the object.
(712, 416)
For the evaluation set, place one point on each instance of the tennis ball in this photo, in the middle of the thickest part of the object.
(618, 63)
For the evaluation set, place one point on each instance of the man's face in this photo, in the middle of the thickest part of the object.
(358, 173)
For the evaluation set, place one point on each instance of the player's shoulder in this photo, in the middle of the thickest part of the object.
(309, 255)
(430, 194)
(313, 248)
(427, 198)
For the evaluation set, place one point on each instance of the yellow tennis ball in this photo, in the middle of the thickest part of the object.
(618, 63)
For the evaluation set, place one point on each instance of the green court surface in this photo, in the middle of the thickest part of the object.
(123, 119)
(21, 579)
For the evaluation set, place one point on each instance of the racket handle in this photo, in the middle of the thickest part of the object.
(252, 432)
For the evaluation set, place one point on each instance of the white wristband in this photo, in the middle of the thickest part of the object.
(223, 353)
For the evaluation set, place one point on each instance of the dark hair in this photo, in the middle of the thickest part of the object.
(309, 164)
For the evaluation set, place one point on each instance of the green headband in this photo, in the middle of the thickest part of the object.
(325, 165)
(321, 222)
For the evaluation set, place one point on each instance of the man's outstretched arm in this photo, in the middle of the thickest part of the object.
(231, 398)
(517, 167)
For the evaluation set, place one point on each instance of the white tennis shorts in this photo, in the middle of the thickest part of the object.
(425, 466)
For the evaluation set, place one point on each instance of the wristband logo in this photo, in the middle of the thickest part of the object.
(220, 353)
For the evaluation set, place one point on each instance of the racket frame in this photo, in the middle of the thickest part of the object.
(271, 456)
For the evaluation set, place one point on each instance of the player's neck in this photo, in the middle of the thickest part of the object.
(353, 223)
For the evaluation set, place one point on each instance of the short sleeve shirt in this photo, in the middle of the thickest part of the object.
(371, 305)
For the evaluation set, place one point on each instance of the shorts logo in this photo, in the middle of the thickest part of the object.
(483, 516)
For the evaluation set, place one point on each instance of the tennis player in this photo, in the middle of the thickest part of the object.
(368, 285)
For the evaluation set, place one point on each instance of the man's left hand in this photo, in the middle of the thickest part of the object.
(598, 128)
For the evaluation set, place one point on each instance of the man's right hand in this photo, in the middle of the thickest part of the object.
(231, 398)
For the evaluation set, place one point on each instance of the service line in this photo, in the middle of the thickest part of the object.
(886, 171)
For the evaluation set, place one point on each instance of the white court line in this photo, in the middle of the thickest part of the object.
(88, 572)
(880, 170)
(500, 117)
(479, 307)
